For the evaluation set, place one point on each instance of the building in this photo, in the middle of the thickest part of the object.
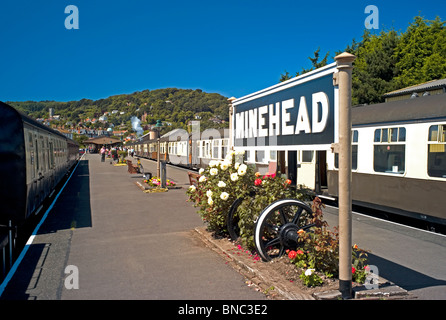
(428, 88)
(96, 143)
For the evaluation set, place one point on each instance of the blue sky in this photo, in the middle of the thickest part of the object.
(233, 47)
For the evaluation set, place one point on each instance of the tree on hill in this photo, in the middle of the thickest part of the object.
(389, 61)
(176, 106)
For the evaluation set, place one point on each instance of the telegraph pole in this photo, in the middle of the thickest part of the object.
(344, 63)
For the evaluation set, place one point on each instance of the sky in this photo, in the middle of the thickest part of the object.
(232, 47)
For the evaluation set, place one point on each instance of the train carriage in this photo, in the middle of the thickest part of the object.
(33, 160)
(187, 150)
(398, 158)
(211, 145)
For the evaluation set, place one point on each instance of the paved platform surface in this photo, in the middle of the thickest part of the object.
(410, 258)
(125, 244)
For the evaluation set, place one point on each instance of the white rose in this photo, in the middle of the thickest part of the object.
(213, 171)
(224, 196)
(202, 179)
(309, 272)
(192, 188)
(210, 201)
(213, 163)
(234, 176)
(201, 171)
(242, 169)
(229, 155)
(240, 152)
(225, 165)
(209, 193)
(221, 184)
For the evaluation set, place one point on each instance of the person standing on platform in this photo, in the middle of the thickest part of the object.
(103, 154)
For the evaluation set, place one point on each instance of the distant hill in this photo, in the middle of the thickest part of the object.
(175, 107)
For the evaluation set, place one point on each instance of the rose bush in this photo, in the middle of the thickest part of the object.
(218, 186)
(156, 182)
(222, 182)
(267, 188)
(319, 250)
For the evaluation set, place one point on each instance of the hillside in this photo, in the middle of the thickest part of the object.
(175, 107)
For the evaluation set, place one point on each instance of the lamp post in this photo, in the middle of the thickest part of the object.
(345, 65)
(158, 127)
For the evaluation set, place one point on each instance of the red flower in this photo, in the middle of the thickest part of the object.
(292, 254)
(288, 181)
(353, 270)
(300, 252)
(258, 182)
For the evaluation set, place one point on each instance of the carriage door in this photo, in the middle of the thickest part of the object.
(195, 152)
(52, 164)
(292, 166)
(306, 169)
(39, 175)
(321, 171)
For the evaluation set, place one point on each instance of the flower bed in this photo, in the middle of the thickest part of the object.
(316, 255)
(154, 185)
(156, 182)
(222, 182)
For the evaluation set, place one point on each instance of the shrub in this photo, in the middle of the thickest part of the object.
(218, 186)
(156, 182)
(267, 188)
(319, 250)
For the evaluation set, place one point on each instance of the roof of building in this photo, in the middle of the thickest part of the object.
(426, 108)
(102, 140)
(430, 85)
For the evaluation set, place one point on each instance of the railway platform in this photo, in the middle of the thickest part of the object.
(124, 244)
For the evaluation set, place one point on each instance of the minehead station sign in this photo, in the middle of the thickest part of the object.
(298, 114)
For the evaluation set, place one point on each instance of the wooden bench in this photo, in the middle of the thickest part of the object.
(132, 168)
(193, 178)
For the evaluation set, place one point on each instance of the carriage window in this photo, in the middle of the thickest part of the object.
(247, 156)
(390, 150)
(436, 153)
(307, 156)
(273, 155)
(355, 136)
(207, 152)
(52, 161)
(224, 148)
(390, 135)
(260, 156)
(215, 144)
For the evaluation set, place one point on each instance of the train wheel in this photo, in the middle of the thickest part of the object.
(276, 229)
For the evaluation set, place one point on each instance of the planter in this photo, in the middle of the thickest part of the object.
(145, 187)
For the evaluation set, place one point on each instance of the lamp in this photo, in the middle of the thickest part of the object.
(158, 127)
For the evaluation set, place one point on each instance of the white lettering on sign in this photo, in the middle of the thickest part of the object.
(253, 123)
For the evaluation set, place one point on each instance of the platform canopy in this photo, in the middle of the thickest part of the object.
(103, 140)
